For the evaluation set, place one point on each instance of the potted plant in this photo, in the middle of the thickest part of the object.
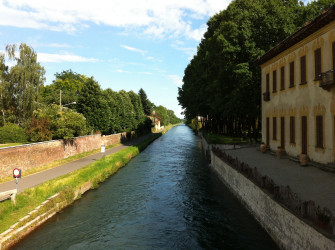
(263, 147)
(279, 152)
(303, 159)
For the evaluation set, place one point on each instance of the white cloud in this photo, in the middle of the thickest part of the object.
(177, 80)
(121, 71)
(145, 73)
(58, 58)
(155, 18)
(190, 51)
(142, 52)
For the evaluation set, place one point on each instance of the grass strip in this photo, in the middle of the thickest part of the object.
(58, 163)
(66, 185)
(223, 139)
(10, 145)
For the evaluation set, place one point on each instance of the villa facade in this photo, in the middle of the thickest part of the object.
(298, 91)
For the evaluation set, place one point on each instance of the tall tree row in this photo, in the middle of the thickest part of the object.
(222, 82)
(73, 105)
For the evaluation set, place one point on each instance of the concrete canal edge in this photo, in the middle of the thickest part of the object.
(48, 209)
(286, 229)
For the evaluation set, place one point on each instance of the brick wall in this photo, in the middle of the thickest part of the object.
(37, 154)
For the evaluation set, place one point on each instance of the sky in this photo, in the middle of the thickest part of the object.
(123, 44)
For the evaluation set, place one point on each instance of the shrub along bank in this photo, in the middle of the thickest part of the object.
(67, 187)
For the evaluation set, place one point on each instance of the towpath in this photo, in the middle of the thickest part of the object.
(310, 183)
(43, 176)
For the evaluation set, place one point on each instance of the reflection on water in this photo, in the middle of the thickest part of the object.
(166, 198)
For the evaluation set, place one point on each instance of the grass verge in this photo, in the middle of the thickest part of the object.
(10, 145)
(222, 139)
(67, 185)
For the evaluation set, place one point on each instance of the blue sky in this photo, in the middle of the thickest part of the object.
(124, 44)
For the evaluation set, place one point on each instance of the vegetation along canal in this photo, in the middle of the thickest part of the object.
(167, 197)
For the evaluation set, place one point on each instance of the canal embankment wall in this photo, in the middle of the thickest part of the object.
(29, 156)
(287, 230)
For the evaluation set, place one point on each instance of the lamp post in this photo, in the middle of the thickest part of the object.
(69, 104)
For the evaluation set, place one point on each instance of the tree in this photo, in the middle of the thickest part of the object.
(146, 104)
(113, 105)
(61, 123)
(38, 130)
(25, 81)
(221, 82)
(66, 87)
(172, 117)
(4, 98)
(94, 106)
(127, 112)
(162, 115)
(138, 109)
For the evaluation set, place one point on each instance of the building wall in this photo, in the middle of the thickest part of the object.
(34, 155)
(303, 99)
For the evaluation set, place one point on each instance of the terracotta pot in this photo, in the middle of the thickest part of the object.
(263, 147)
(279, 152)
(303, 159)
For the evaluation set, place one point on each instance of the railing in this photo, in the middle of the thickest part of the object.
(327, 79)
(266, 96)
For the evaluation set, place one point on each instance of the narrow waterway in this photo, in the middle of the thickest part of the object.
(165, 198)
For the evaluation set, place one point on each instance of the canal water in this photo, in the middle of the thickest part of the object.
(165, 198)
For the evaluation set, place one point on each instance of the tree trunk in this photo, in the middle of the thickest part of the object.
(2, 108)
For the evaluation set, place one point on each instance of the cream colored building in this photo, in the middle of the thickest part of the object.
(298, 101)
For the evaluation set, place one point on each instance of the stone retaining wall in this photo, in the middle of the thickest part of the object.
(37, 154)
(287, 230)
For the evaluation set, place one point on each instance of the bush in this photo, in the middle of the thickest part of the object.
(38, 130)
(12, 133)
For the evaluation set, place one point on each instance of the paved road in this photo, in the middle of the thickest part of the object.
(310, 183)
(39, 178)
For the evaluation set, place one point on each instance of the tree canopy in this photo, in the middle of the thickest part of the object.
(221, 82)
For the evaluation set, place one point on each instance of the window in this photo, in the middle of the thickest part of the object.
(292, 129)
(274, 81)
(282, 78)
(303, 70)
(274, 126)
(317, 62)
(319, 131)
(333, 46)
(267, 131)
(291, 74)
(282, 132)
(267, 83)
(304, 134)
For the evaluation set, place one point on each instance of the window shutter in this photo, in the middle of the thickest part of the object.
(274, 137)
(282, 132)
(267, 83)
(304, 134)
(274, 79)
(317, 58)
(268, 131)
(282, 78)
(303, 69)
(319, 131)
(292, 129)
(292, 74)
(333, 46)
